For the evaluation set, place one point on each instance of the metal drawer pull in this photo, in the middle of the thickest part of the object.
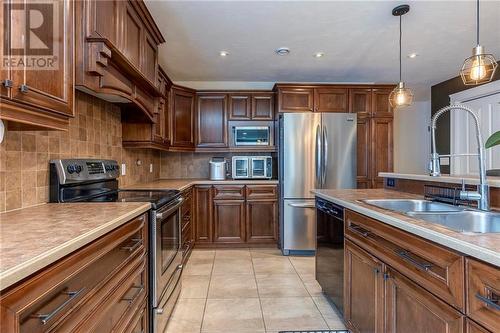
(7, 83)
(46, 317)
(179, 267)
(406, 256)
(24, 88)
(302, 205)
(359, 230)
(132, 248)
(131, 300)
(493, 303)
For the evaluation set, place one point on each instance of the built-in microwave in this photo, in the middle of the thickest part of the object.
(252, 136)
(252, 167)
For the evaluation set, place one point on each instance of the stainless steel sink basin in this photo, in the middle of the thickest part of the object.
(464, 221)
(409, 205)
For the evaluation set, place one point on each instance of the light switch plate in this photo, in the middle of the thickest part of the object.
(124, 169)
(151, 167)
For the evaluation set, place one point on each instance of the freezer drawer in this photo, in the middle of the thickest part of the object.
(299, 226)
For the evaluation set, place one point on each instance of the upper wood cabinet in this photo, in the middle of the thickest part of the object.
(211, 120)
(182, 117)
(263, 106)
(40, 95)
(292, 99)
(239, 106)
(360, 102)
(251, 106)
(132, 35)
(380, 103)
(331, 100)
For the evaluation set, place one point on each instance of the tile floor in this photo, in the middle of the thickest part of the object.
(250, 290)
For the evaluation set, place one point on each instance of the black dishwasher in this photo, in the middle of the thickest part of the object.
(330, 251)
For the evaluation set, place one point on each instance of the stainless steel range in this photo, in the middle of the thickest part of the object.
(95, 180)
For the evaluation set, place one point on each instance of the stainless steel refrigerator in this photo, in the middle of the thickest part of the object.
(316, 150)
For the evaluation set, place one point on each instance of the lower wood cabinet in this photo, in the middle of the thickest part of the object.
(187, 216)
(229, 221)
(203, 196)
(261, 221)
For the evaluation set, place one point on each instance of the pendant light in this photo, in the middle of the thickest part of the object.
(480, 67)
(400, 96)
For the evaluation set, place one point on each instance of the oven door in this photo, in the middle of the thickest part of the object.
(166, 254)
(240, 167)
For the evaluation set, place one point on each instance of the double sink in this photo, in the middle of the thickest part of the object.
(457, 218)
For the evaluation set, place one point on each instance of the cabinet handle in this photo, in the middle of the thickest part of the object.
(46, 317)
(7, 83)
(133, 247)
(131, 300)
(24, 88)
(360, 230)
(493, 303)
(405, 255)
(376, 270)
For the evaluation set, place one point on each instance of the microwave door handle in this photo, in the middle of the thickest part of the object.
(318, 157)
(325, 156)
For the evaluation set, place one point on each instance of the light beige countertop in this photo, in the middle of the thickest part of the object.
(182, 184)
(35, 237)
(455, 179)
(485, 247)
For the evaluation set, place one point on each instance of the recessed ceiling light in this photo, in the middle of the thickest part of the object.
(318, 54)
(223, 53)
(282, 51)
(412, 55)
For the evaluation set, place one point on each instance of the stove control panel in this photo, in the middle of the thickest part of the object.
(80, 170)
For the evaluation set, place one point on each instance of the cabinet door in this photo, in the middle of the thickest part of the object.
(159, 126)
(261, 221)
(410, 308)
(363, 153)
(203, 214)
(51, 85)
(263, 106)
(150, 58)
(363, 290)
(229, 221)
(360, 102)
(331, 100)
(211, 121)
(381, 149)
(472, 327)
(239, 107)
(103, 19)
(182, 118)
(132, 36)
(380, 103)
(295, 99)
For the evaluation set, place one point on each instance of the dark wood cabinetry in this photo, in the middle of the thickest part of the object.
(381, 150)
(251, 106)
(211, 123)
(295, 99)
(240, 106)
(331, 100)
(263, 106)
(182, 118)
(363, 178)
(203, 196)
(261, 220)
(188, 218)
(38, 97)
(229, 221)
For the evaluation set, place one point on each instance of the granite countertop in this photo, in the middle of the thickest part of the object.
(35, 237)
(453, 179)
(182, 184)
(485, 247)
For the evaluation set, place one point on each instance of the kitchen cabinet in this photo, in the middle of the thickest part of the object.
(381, 149)
(363, 176)
(251, 106)
(182, 117)
(187, 215)
(211, 120)
(263, 106)
(261, 220)
(410, 308)
(360, 102)
(229, 221)
(331, 100)
(295, 99)
(380, 103)
(240, 106)
(102, 286)
(363, 290)
(38, 97)
(472, 327)
(203, 197)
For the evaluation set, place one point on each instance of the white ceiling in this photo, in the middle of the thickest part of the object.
(359, 39)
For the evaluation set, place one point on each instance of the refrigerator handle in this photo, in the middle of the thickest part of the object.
(325, 156)
(318, 159)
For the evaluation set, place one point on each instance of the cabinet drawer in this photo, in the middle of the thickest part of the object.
(483, 294)
(54, 295)
(435, 268)
(229, 192)
(261, 191)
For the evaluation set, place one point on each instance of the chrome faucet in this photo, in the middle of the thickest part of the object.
(482, 195)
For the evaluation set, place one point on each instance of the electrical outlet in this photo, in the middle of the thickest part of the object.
(124, 169)
(151, 167)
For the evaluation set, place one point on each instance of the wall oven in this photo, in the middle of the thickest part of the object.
(252, 136)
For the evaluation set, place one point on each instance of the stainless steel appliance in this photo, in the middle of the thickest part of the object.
(316, 150)
(252, 135)
(93, 180)
(256, 167)
(330, 251)
(218, 168)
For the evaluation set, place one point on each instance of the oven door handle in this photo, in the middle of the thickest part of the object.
(159, 216)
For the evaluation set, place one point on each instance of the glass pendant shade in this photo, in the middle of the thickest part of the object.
(400, 96)
(479, 68)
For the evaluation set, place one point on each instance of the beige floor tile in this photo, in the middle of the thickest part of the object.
(292, 313)
(232, 266)
(233, 315)
(233, 286)
(232, 254)
(195, 286)
(280, 285)
(187, 316)
(313, 287)
(202, 254)
(303, 265)
(265, 252)
(198, 267)
(329, 314)
(275, 265)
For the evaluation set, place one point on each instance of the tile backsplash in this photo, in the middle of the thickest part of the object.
(95, 132)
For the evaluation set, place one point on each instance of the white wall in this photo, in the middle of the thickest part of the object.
(412, 138)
